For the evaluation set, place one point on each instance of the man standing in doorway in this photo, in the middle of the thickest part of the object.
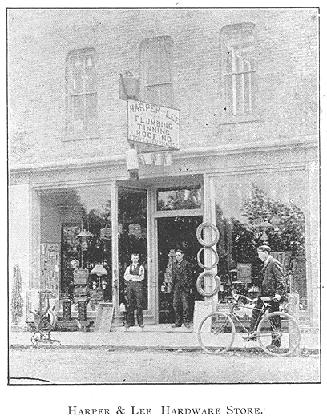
(134, 276)
(182, 283)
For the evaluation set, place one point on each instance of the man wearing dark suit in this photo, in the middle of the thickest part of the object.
(182, 281)
(272, 286)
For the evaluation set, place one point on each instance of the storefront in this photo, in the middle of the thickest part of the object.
(88, 232)
(83, 231)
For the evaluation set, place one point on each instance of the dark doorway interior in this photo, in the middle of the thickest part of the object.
(174, 233)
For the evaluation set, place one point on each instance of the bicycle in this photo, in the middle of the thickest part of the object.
(217, 330)
(44, 323)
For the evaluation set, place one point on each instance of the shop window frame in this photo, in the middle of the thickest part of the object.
(299, 169)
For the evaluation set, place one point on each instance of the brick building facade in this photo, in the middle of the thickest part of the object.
(245, 83)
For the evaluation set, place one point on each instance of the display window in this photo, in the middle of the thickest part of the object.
(77, 223)
(255, 209)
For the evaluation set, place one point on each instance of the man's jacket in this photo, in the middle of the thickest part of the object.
(273, 278)
(182, 276)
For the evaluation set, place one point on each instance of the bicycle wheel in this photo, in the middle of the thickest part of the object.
(278, 334)
(216, 333)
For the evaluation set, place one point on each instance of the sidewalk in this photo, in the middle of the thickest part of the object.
(153, 337)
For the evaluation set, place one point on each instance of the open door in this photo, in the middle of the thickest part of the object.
(132, 236)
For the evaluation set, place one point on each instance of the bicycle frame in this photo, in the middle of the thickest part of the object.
(236, 318)
(277, 326)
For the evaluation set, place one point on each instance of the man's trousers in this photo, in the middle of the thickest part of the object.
(275, 323)
(181, 306)
(134, 295)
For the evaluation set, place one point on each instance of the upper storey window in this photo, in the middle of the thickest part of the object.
(81, 92)
(238, 70)
(156, 70)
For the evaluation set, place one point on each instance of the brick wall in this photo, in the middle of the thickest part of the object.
(39, 41)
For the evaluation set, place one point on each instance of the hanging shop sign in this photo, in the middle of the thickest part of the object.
(152, 127)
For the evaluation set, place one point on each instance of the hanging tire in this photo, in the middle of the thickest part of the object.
(216, 333)
(199, 230)
(201, 290)
(206, 267)
(279, 328)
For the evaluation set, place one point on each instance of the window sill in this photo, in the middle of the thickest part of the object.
(240, 120)
(80, 137)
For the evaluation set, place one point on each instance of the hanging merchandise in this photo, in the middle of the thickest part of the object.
(129, 85)
(84, 237)
(186, 194)
(81, 276)
(141, 160)
(105, 233)
(168, 159)
(148, 157)
(104, 284)
(134, 229)
(74, 264)
(99, 270)
(132, 162)
(158, 159)
(208, 270)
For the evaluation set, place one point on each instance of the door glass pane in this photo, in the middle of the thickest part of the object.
(177, 199)
(132, 219)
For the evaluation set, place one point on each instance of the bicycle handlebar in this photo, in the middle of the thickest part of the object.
(237, 297)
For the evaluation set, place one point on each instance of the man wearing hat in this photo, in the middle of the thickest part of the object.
(272, 286)
(182, 282)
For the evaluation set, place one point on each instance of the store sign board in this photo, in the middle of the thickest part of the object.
(152, 125)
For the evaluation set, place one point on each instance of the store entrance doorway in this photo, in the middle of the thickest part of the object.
(173, 233)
